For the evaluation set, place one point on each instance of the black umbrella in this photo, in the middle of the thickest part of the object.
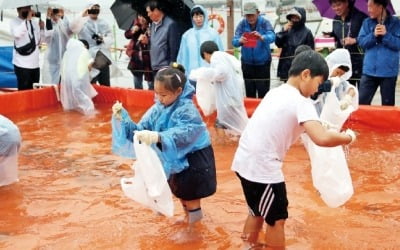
(123, 14)
(179, 10)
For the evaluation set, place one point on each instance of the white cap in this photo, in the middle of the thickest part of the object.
(91, 3)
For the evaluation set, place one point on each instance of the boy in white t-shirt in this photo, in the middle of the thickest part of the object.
(283, 114)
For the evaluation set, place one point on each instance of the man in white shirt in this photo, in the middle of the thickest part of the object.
(27, 34)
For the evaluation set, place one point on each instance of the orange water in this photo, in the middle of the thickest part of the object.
(69, 196)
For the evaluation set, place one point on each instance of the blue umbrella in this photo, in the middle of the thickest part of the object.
(326, 10)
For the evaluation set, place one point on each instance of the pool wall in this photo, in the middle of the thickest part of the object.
(382, 118)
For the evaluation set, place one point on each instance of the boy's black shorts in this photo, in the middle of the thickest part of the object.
(197, 181)
(266, 200)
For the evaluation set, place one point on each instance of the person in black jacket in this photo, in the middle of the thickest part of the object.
(293, 34)
(346, 26)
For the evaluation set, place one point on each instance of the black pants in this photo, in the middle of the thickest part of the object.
(26, 77)
(256, 79)
(369, 85)
(103, 77)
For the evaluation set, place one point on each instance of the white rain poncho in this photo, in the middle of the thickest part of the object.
(179, 125)
(225, 73)
(76, 91)
(56, 40)
(10, 142)
(339, 57)
(189, 50)
(101, 28)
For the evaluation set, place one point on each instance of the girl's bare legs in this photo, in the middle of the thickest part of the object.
(185, 219)
(193, 215)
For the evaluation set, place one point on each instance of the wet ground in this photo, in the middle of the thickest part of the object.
(69, 196)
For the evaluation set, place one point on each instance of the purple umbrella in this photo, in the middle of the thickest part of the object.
(326, 10)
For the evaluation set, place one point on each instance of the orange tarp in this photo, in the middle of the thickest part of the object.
(27, 100)
(366, 117)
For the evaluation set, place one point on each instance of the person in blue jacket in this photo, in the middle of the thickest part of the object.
(256, 58)
(174, 125)
(380, 38)
(194, 37)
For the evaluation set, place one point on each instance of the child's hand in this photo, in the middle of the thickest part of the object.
(345, 102)
(351, 133)
(147, 136)
(116, 108)
(335, 81)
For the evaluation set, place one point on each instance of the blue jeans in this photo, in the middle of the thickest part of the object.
(369, 85)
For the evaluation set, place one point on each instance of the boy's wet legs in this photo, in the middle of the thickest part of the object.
(251, 230)
(275, 236)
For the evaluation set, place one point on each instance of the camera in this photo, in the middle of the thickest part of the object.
(56, 11)
(93, 11)
(322, 88)
(99, 39)
(37, 14)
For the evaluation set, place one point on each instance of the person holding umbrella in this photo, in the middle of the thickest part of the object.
(345, 28)
(165, 36)
(138, 52)
(380, 38)
(27, 35)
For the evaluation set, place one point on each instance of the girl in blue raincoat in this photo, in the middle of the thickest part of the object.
(174, 125)
(192, 39)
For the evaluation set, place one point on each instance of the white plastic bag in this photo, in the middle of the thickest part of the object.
(149, 186)
(205, 91)
(330, 173)
(332, 113)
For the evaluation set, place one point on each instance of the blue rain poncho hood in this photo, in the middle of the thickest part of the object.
(179, 125)
(189, 50)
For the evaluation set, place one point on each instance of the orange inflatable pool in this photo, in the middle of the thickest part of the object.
(69, 196)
